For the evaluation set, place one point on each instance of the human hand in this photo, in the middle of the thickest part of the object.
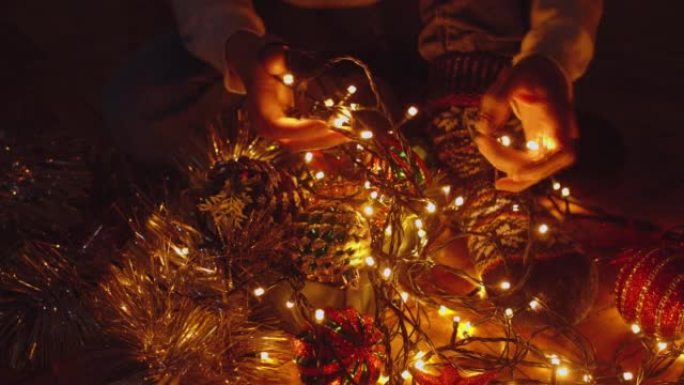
(260, 69)
(539, 93)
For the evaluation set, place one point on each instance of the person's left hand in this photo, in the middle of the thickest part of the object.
(540, 94)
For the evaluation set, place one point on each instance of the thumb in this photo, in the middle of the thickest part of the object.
(495, 107)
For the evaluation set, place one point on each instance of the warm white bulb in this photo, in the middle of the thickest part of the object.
(374, 195)
(319, 315)
(420, 365)
(422, 233)
(388, 230)
(505, 285)
(404, 296)
(534, 304)
(308, 157)
(386, 272)
(662, 345)
(443, 310)
(383, 379)
(586, 378)
(288, 79)
(459, 201)
(370, 261)
(368, 210)
(532, 145)
(366, 185)
(636, 329)
(320, 175)
(554, 360)
(328, 102)
(351, 89)
(419, 223)
(556, 186)
(412, 111)
(562, 371)
(366, 134)
(430, 207)
(509, 312)
(259, 291)
(543, 228)
(354, 106)
(340, 121)
(446, 189)
(405, 374)
(565, 192)
(505, 140)
(515, 207)
(289, 304)
(263, 356)
(628, 376)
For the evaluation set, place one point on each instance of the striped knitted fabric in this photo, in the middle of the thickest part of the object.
(502, 240)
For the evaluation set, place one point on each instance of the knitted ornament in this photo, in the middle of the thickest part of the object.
(504, 242)
(330, 240)
(244, 190)
(345, 348)
(649, 291)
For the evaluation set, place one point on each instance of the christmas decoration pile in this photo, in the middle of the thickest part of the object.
(330, 265)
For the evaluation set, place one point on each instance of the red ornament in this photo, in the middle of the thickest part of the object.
(650, 291)
(346, 345)
(451, 376)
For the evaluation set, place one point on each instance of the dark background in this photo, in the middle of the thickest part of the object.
(58, 56)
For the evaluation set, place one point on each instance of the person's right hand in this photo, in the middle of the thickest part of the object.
(260, 69)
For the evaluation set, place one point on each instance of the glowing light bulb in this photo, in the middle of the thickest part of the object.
(366, 185)
(419, 223)
(328, 102)
(459, 201)
(383, 379)
(628, 376)
(509, 312)
(405, 374)
(543, 228)
(532, 145)
(386, 272)
(430, 207)
(554, 360)
(374, 195)
(562, 371)
(351, 89)
(308, 157)
(370, 261)
(636, 329)
(446, 189)
(515, 207)
(404, 296)
(319, 315)
(259, 291)
(586, 378)
(354, 106)
(505, 140)
(288, 79)
(340, 121)
(289, 304)
(422, 233)
(661, 345)
(412, 111)
(565, 192)
(420, 365)
(320, 175)
(456, 319)
(534, 304)
(263, 356)
(388, 230)
(556, 186)
(366, 134)
(368, 210)
(505, 285)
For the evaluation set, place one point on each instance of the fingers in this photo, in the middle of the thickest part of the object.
(302, 135)
(495, 106)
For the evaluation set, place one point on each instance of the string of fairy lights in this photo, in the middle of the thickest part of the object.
(419, 352)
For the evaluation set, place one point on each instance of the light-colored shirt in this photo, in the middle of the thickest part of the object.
(562, 30)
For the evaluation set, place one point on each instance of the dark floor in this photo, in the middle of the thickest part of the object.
(62, 53)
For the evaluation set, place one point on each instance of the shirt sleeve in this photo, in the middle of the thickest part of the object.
(206, 25)
(565, 32)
